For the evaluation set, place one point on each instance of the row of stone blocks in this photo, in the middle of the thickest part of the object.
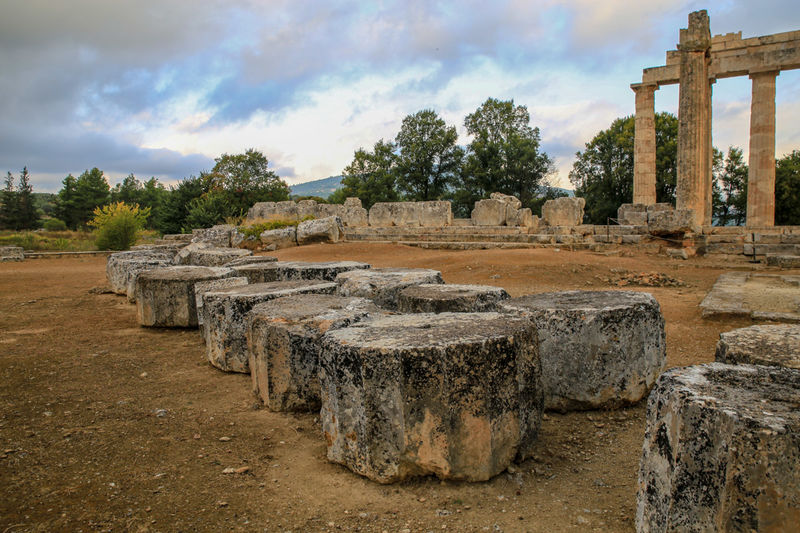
(722, 442)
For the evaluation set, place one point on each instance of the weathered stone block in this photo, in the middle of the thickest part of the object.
(329, 229)
(183, 256)
(202, 287)
(632, 214)
(435, 214)
(354, 214)
(218, 236)
(225, 318)
(672, 221)
(215, 257)
(659, 207)
(761, 345)
(383, 285)
(280, 238)
(442, 298)
(387, 214)
(119, 267)
(165, 296)
(783, 261)
(283, 345)
(297, 270)
(721, 450)
(391, 407)
(251, 260)
(564, 211)
(599, 349)
(511, 201)
(273, 211)
(489, 213)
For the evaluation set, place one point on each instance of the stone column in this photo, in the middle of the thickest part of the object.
(644, 145)
(761, 175)
(709, 151)
(694, 112)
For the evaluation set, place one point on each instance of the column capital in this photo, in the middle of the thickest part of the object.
(644, 87)
(763, 73)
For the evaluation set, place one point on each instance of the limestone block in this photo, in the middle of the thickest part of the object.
(251, 260)
(183, 256)
(354, 214)
(329, 229)
(218, 236)
(178, 237)
(280, 238)
(132, 270)
(225, 318)
(120, 264)
(383, 285)
(168, 249)
(202, 287)
(297, 270)
(442, 298)
(632, 214)
(306, 208)
(392, 409)
(214, 257)
(241, 240)
(564, 211)
(435, 214)
(659, 207)
(511, 201)
(387, 214)
(283, 345)
(721, 450)
(599, 349)
(273, 211)
(761, 345)
(165, 296)
(783, 261)
(669, 222)
(489, 213)
(520, 217)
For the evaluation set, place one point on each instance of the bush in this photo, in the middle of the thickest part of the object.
(54, 224)
(259, 226)
(118, 225)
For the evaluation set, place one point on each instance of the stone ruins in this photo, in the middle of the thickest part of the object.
(696, 65)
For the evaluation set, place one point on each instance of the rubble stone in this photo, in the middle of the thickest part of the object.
(283, 345)
(761, 345)
(454, 394)
(297, 270)
(202, 287)
(383, 285)
(564, 211)
(329, 229)
(599, 349)
(442, 298)
(225, 318)
(721, 450)
(165, 296)
(280, 238)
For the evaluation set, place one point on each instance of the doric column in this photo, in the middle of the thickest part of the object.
(644, 145)
(708, 149)
(761, 175)
(694, 112)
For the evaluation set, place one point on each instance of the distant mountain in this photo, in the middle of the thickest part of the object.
(322, 188)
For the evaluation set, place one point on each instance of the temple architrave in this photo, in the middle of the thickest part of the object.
(698, 62)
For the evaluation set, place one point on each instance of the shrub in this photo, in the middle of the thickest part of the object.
(118, 225)
(256, 227)
(54, 224)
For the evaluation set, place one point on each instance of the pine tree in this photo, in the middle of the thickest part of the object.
(8, 203)
(27, 216)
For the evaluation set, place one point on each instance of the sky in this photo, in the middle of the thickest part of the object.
(162, 87)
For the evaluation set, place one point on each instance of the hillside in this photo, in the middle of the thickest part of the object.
(322, 188)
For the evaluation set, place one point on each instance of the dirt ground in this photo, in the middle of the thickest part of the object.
(107, 426)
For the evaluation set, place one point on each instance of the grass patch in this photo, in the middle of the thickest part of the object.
(61, 241)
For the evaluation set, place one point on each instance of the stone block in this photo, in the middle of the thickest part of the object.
(329, 229)
(511, 201)
(251, 260)
(599, 349)
(273, 211)
(392, 409)
(165, 296)
(215, 257)
(354, 214)
(283, 345)
(632, 214)
(218, 236)
(225, 318)
(521, 218)
(178, 237)
(660, 207)
(564, 211)
(761, 345)
(183, 256)
(435, 214)
(387, 214)
(670, 222)
(443, 298)
(631, 239)
(297, 270)
(783, 261)
(280, 238)
(489, 213)
(202, 287)
(383, 285)
(121, 265)
(721, 450)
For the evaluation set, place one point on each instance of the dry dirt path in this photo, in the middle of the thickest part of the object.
(106, 426)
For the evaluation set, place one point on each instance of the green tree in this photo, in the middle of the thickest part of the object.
(149, 194)
(174, 209)
(370, 176)
(27, 215)
(81, 196)
(66, 207)
(429, 160)
(8, 203)
(246, 179)
(729, 198)
(603, 172)
(787, 190)
(504, 155)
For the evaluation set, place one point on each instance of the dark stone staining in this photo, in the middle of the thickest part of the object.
(443, 298)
